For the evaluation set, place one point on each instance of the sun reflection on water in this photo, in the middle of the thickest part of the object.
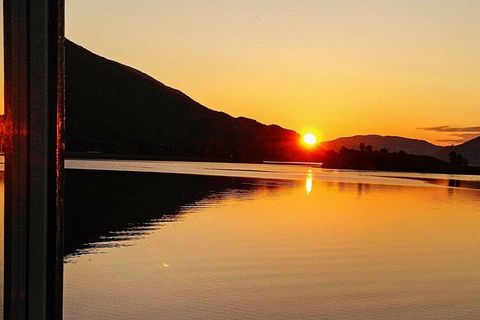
(309, 182)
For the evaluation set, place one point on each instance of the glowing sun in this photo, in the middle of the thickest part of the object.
(309, 139)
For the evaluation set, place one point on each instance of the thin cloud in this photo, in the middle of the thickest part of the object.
(452, 129)
(465, 136)
(460, 137)
(456, 134)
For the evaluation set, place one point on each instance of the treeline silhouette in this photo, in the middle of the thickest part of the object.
(365, 158)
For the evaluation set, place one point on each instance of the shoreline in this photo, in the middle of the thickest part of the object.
(470, 170)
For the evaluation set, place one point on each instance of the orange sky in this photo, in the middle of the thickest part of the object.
(341, 67)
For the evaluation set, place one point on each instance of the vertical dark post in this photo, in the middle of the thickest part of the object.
(34, 158)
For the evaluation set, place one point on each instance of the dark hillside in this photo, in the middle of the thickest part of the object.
(115, 109)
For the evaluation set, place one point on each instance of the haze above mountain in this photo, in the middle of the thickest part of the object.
(115, 109)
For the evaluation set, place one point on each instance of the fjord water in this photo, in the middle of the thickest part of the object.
(182, 246)
(245, 241)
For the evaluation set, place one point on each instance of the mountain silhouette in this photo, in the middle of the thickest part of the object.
(114, 109)
(391, 143)
(469, 150)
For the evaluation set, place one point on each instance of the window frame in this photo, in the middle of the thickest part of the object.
(34, 109)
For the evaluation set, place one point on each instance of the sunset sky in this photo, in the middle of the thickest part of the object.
(341, 67)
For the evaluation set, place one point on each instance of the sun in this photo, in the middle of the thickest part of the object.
(309, 139)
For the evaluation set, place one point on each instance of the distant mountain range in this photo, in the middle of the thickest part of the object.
(391, 143)
(116, 110)
(469, 149)
(113, 110)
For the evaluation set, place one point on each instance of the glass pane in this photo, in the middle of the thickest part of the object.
(272, 160)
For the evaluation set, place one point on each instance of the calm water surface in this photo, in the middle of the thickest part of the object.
(233, 241)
